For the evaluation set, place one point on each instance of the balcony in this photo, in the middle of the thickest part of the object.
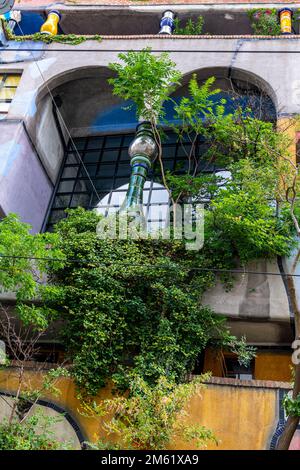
(141, 19)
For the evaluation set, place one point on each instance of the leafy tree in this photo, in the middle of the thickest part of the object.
(23, 267)
(136, 305)
(130, 305)
(146, 80)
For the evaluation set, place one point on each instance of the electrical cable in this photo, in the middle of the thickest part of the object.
(162, 266)
(64, 124)
(191, 51)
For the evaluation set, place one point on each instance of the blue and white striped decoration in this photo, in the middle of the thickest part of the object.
(167, 22)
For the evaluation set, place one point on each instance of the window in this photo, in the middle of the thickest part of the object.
(106, 160)
(8, 87)
(236, 370)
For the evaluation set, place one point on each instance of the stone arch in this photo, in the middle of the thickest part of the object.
(66, 429)
(226, 77)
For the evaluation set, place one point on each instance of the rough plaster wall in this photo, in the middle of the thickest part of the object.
(253, 295)
(83, 101)
(48, 142)
(24, 186)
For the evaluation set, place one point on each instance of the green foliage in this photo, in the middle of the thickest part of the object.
(292, 406)
(244, 352)
(265, 21)
(191, 28)
(33, 434)
(131, 305)
(145, 79)
(197, 109)
(150, 417)
(23, 264)
(247, 226)
(241, 221)
(71, 39)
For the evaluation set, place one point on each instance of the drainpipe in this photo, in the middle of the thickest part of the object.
(14, 19)
(142, 151)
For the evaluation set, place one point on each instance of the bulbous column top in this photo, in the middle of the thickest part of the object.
(144, 143)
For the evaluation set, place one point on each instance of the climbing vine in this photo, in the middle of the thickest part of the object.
(264, 21)
(292, 406)
(191, 28)
(71, 39)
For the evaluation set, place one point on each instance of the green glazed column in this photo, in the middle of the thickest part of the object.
(142, 151)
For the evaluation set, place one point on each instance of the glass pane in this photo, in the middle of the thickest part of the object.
(80, 200)
(7, 93)
(56, 216)
(81, 185)
(91, 157)
(113, 141)
(66, 186)
(2, 116)
(61, 201)
(12, 80)
(127, 140)
(124, 155)
(124, 170)
(95, 143)
(4, 107)
(110, 155)
(70, 172)
(79, 144)
(107, 170)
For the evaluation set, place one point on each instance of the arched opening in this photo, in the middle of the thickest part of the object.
(96, 130)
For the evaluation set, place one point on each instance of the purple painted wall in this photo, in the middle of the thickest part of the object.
(24, 186)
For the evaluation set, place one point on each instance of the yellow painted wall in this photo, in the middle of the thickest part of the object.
(289, 126)
(267, 365)
(273, 366)
(240, 417)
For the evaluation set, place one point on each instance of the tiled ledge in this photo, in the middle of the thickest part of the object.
(165, 37)
(269, 384)
(202, 36)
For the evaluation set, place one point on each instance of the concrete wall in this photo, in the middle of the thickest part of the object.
(24, 186)
(48, 141)
(268, 61)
